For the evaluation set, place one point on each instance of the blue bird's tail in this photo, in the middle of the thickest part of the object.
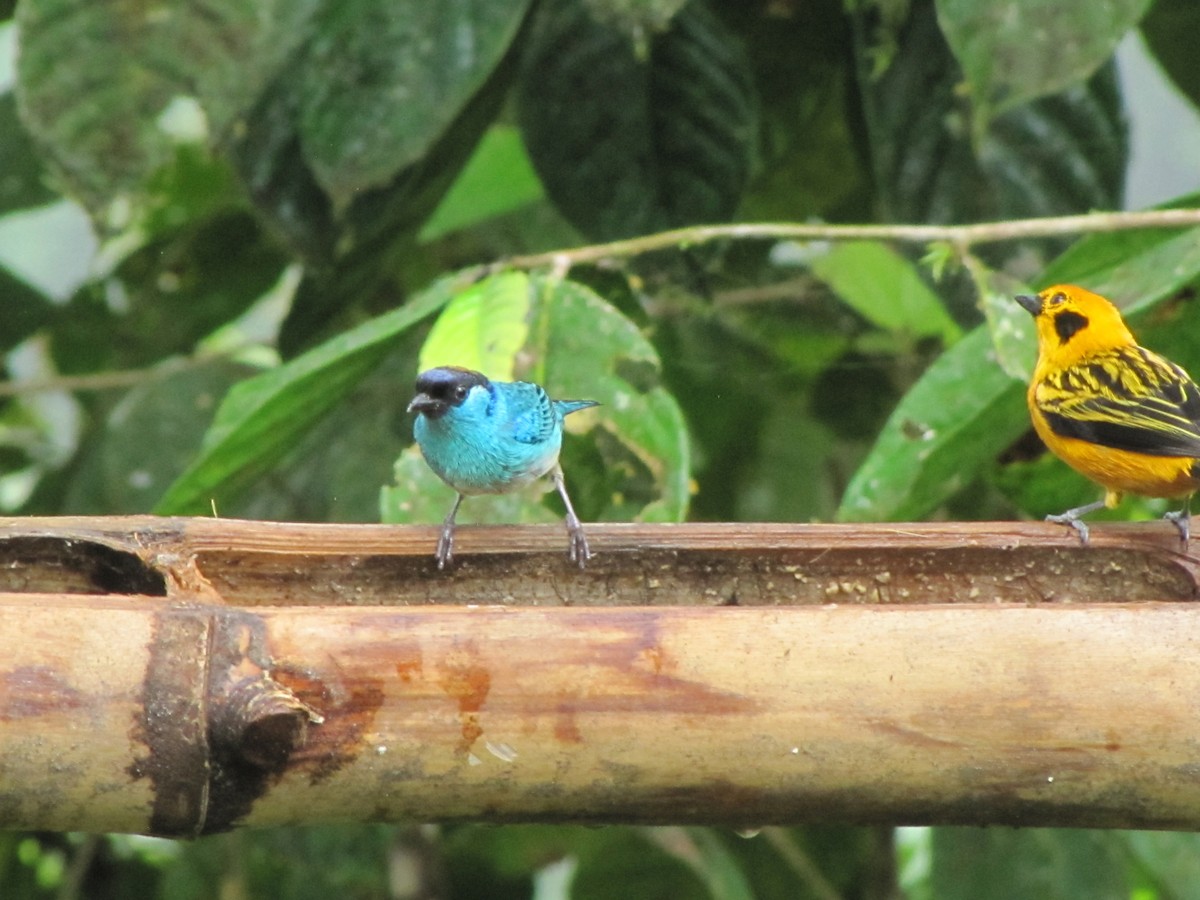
(566, 407)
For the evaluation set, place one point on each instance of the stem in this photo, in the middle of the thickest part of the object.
(800, 863)
(961, 236)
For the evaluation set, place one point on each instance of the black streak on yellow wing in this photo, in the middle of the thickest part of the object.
(1130, 399)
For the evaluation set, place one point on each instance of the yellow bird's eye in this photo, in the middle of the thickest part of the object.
(1058, 299)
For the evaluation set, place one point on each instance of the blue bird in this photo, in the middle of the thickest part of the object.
(491, 437)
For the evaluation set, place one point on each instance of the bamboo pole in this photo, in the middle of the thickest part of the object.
(187, 676)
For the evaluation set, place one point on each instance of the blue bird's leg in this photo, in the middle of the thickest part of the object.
(1182, 519)
(577, 546)
(445, 544)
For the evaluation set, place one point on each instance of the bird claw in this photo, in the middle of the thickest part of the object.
(577, 545)
(1075, 522)
(1182, 520)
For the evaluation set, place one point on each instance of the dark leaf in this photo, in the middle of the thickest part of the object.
(1062, 154)
(105, 115)
(382, 83)
(628, 144)
(1170, 30)
(1006, 66)
(22, 177)
(1002, 863)
(23, 310)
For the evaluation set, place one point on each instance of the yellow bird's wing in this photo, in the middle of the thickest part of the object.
(1127, 399)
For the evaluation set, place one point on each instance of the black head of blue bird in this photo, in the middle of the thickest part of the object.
(442, 388)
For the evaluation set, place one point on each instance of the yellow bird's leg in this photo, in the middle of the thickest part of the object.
(1182, 519)
(1072, 516)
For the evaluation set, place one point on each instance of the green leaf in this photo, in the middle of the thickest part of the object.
(624, 857)
(1013, 334)
(1005, 67)
(382, 82)
(106, 117)
(1170, 863)
(498, 179)
(22, 175)
(661, 141)
(886, 289)
(806, 162)
(148, 439)
(482, 328)
(23, 310)
(965, 410)
(587, 350)
(702, 851)
(260, 419)
(1003, 863)
(634, 445)
(637, 18)
(1170, 29)
(1061, 154)
(351, 251)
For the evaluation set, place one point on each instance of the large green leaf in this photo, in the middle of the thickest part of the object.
(1062, 154)
(98, 80)
(1014, 51)
(261, 418)
(498, 179)
(1050, 864)
(483, 328)
(965, 410)
(886, 289)
(383, 81)
(628, 144)
(636, 444)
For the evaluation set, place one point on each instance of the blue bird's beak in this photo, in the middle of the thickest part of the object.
(429, 406)
(423, 403)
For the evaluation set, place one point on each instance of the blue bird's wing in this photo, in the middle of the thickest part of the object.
(531, 413)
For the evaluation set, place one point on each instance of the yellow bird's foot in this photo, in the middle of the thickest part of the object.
(1182, 518)
(1075, 522)
(1072, 517)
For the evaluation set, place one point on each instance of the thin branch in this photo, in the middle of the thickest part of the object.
(114, 380)
(961, 236)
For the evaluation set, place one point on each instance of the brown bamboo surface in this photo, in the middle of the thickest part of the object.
(182, 676)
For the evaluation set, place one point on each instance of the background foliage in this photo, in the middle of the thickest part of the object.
(280, 197)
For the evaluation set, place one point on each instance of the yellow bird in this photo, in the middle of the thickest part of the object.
(1118, 413)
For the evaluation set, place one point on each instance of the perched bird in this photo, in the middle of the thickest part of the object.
(491, 437)
(1118, 413)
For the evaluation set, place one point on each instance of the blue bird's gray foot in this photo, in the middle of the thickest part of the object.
(445, 544)
(1183, 521)
(577, 545)
(1072, 517)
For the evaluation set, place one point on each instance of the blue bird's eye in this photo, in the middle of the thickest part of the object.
(460, 394)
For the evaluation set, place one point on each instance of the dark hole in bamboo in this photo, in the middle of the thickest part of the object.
(758, 576)
(40, 564)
